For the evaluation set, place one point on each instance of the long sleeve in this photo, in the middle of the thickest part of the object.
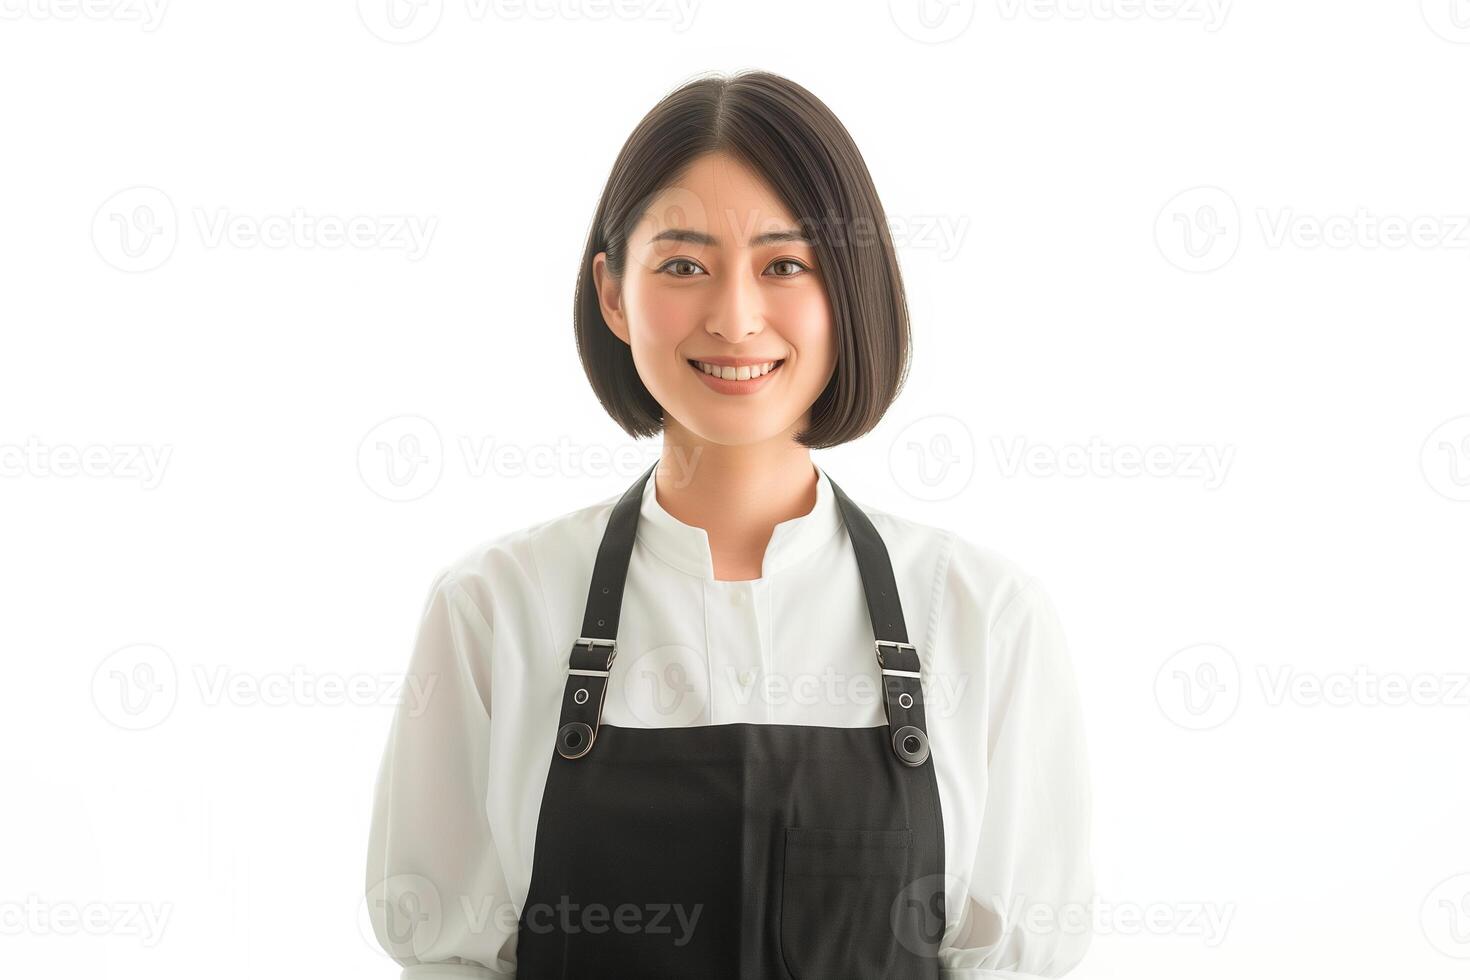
(436, 894)
(1029, 908)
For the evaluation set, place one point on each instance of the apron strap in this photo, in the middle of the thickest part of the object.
(898, 660)
(593, 651)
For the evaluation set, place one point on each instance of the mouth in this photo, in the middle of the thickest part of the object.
(733, 376)
(736, 371)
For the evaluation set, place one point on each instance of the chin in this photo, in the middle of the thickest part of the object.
(739, 431)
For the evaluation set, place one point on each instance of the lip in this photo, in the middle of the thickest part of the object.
(748, 387)
(734, 361)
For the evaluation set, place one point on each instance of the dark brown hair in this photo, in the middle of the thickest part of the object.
(793, 141)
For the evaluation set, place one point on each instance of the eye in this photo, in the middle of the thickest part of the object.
(685, 264)
(797, 270)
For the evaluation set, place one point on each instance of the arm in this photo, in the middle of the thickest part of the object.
(436, 894)
(1029, 908)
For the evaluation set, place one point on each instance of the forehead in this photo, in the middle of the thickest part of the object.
(722, 196)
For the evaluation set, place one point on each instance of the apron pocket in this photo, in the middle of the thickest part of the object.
(837, 892)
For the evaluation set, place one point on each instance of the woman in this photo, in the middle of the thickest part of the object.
(731, 724)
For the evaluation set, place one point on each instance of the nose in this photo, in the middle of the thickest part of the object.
(737, 312)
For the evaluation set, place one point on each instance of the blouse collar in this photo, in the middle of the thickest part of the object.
(686, 547)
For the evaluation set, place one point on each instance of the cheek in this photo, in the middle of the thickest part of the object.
(663, 316)
(806, 321)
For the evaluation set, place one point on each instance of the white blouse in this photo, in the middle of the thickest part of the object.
(459, 791)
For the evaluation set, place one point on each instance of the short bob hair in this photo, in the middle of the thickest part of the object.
(792, 140)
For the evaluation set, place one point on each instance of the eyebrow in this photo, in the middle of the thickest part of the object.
(700, 238)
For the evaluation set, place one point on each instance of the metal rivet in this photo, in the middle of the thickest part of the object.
(581, 696)
(574, 740)
(599, 622)
(911, 745)
(905, 700)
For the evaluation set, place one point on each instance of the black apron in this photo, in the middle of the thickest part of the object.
(780, 852)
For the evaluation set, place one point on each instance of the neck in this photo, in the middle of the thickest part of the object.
(738, 494)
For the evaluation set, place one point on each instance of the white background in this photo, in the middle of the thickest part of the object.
(1186, 231)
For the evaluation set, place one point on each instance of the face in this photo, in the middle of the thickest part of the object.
(723, 306)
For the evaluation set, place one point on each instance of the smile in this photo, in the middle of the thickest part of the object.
(730, 377)
(733, 372)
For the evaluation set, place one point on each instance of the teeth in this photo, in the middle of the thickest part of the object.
(743, 373)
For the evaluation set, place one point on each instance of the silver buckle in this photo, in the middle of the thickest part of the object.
(592, 643)
(878, 645)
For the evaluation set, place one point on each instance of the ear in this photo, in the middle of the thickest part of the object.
(609, 297)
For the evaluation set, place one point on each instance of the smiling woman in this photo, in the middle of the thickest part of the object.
(737, 762)
(719, 313)
(732, 247)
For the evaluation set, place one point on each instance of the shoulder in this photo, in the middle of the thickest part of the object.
(970, 579)
(512, 568)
